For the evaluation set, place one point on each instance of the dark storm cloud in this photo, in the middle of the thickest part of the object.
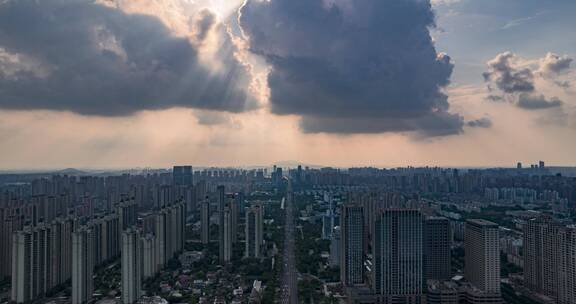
(480, 123)
(537, 102)
(79, 56)
(206, 22)
(431, 125)
(508, 78)
(353, 66)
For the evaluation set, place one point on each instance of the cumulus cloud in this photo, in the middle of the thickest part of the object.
(92, 59)
(353, 66)
(507, 77)
(537, 102)
(554, 64)
(515, 78)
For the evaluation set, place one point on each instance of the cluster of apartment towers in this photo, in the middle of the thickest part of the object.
(47, 255)
(390, 252)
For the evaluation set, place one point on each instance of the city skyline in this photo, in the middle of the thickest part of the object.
(88, 170)
(287, 151)
(491, 84)
(362, 235)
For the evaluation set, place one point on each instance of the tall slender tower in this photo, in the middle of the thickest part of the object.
(149, 261)
(437, 249)
(21, 266)
(254, 231)
(205, 222)
(131, 266)
(227, 236)
(61, 263)
(327, 222)
(234, 213)
(482, 255)
(220, 190)
(82, 265)
(127, 215)
(398, 256)
(335, 245)
(352, 245)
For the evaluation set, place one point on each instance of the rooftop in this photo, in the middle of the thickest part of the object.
(481, 222)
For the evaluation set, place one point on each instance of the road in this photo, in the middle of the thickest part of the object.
(289, 277)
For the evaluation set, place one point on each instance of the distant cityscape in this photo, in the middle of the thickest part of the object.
(290, 234)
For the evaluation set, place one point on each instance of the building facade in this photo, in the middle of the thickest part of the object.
(352, 245)
(131, 266)
(83, 250)
(482, 255)
(397, 274)
(550, 259)
(437, 249)
(254, 231)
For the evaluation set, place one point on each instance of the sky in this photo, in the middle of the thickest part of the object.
(153, 83)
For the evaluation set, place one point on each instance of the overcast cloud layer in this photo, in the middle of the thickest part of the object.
(91, 59)
(353, 66)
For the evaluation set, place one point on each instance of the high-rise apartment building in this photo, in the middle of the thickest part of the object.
(550, 260)
(228, 223)
(234, 207)
(31, 258)
(160, 233)
(51, 254)
(327, 225)
(221, 200)
(397, 274)
(22, 266)
(106, 238)
(482, 255)
(175, 224)
(9, 224)
(131, 266)
(352, 245)
(182, 176)
(166, 230)
(205, 222)
(61, 248)
(240, 201)
(540, 246)
(149, 260)
(567, 266)
(437, 249)
(254, 231)
(83, 251)
(127, 214)
(335, 244)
